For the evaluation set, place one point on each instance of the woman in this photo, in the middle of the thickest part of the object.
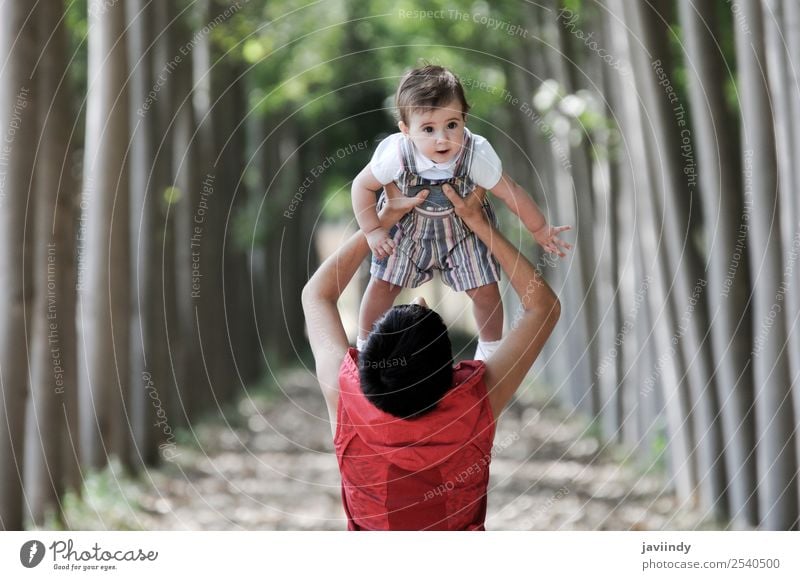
(413, 435)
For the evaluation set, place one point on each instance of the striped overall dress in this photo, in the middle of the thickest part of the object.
(432, 237)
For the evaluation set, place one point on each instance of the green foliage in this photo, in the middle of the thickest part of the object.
(332, 70)
(75, 16)
(658, 448)
(172, 195)
(110, 499)
(575, 6)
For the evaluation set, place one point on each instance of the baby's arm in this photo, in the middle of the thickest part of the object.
(363, 191)
(522, 204)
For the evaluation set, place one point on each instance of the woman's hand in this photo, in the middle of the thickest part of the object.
(469, 208)
(397, 205)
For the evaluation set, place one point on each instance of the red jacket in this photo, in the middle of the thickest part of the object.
(429, 473)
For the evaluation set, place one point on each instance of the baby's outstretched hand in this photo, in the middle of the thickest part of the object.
(380, 243)
(547, 237)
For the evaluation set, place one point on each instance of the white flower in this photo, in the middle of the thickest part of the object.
(546, 96)
(572, 106)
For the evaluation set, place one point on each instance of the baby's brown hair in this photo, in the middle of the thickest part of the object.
(426, 88)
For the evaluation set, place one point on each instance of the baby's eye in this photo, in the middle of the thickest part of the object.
(428, 129)
(452, 125)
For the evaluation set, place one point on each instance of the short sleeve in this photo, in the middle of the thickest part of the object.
(487, 169)
(385, 163)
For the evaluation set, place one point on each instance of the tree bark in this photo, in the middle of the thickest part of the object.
(777, 37)
(562, 207)
(146, 369)
(654, 266)
(791, 21)
(17, 130)
(775, 458)
(185, 347)
(726, 265)
(53, 318)
(676, 173)
(572, 77)
(539, 181)
(103, 290)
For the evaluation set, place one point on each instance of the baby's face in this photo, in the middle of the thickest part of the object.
(437, 133)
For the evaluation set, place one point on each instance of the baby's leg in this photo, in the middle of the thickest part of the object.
(488, 309)
(378, 298)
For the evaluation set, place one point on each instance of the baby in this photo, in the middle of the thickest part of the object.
(434, 148)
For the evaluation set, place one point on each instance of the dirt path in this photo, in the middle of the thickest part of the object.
(274, 469)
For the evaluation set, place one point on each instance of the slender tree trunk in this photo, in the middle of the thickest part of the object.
(202, 60)
(726, 228)
(574, 179)
(791, 21)
(146, 376)
(654, 268)
(271, 164)
(168, 60)
(676, 172)
(572, 77)
(233, 105)
(103, 298)
(614, 290)
(53, 317)
(540, 183)
(281, 236)
(631, 287)
(185, 348)
(226, 147)
(775, 458)
(17, 131)
(779, 63)
(212, 335)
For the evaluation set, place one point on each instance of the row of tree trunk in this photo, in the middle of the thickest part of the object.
(126, 305)
(681, 299)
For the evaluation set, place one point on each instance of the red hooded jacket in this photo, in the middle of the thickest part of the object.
(428, 473)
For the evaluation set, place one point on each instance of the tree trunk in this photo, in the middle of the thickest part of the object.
(573, 191)
(146, 371)
(103, 299)
(53, 318)
(676, 172)
(561, 208)
(777, 35)
(726, 228)
(185, 348)
(238, 299)
(775, 457)
(536, 176)
(17, 126)
(208, 295)
(791, 22)
(612, 239)
(571, 76)
(654, 267)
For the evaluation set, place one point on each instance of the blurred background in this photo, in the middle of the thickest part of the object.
(172, 172)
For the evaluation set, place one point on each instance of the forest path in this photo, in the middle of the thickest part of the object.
(273, 468)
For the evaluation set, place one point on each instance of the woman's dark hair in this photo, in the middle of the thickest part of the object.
(426, 88)
(406, 365)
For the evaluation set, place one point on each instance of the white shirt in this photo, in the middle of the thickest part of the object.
(387, 165)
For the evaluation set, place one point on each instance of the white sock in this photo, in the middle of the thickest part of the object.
(360, 343)
(486, 349)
